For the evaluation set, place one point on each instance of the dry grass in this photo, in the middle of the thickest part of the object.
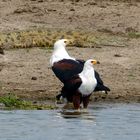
(46, 38)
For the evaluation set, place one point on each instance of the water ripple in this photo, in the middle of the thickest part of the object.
(100, 122)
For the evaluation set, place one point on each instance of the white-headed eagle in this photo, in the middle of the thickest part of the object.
(70, 72)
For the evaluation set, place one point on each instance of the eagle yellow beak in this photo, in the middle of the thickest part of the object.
(95, 62)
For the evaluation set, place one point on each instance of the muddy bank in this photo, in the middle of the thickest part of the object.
(109, 31)
(27, 74)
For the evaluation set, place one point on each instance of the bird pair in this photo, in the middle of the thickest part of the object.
(78, 76)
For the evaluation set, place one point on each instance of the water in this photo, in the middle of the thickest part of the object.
(102, 122)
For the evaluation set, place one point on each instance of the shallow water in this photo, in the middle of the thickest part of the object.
(101, 122)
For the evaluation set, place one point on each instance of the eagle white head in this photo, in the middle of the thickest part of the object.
(88, 67)
(61, 43)
(91, 62)
(59, 52)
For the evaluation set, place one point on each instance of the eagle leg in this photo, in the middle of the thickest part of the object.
(76, 101)
(85, 101)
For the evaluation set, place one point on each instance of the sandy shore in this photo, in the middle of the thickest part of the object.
(26, 72)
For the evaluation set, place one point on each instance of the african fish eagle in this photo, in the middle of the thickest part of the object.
(79, 87)
(64, 66)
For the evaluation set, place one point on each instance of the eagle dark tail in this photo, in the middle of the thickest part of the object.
(61, 94)
(102, 88)
(65, 94)
(58, 96)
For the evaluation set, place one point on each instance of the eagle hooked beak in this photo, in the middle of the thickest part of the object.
(95, 62)
(68, 42)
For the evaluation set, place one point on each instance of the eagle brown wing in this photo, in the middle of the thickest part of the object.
(66, 68)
